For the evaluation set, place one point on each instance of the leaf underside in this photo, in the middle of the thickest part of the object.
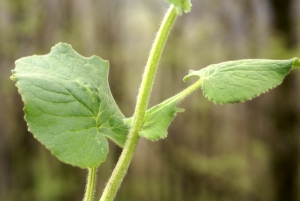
(68, 105)
(241, 80)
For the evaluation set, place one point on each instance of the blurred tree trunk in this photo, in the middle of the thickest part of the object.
(283, 21)
(285, 149)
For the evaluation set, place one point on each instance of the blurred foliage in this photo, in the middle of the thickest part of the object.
(238, 152)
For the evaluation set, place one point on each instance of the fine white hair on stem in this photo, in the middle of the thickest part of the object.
(91, 178)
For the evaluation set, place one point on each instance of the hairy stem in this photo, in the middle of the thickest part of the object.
(140, 109)
(180, 96)
(90, 187)
(186, 92)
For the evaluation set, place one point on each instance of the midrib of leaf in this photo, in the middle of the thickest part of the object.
(92, 110)
(66, 78)
(241, 80)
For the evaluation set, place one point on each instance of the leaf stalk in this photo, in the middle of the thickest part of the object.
(186, 92)
(90, 187)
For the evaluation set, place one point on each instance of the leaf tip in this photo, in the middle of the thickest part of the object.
(296, 62)
(13, 76)
(187, 6)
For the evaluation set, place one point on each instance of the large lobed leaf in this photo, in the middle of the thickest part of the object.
(241, 80)
(68, 105)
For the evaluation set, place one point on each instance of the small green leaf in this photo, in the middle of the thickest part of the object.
(241, 80)
(68, 105)
(158, 119)
(180, 5)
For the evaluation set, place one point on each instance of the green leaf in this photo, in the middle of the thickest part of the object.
(180, 5)
(241, 80)
(158, 119)
(68, 105)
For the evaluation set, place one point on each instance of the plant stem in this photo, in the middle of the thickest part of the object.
(182, 95)
(91, 180)
(140, 109)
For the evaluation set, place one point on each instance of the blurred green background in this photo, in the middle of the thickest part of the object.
(239, 152)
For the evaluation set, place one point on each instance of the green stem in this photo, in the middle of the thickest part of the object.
(91, 180)
(182, 95)
(140, 109)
